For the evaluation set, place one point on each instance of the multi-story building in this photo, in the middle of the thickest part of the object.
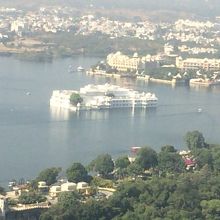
(105, 96)
(19, 26)
(125, 63)
(168, 49)
(196, 63)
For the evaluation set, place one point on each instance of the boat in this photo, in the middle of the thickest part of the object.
(199, 110)
(11, 184)
(203, 82)
(80, 69)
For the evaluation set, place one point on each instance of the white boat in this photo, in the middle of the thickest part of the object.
(203, 82)
(199, 110)
(11, 184)
(80, 69)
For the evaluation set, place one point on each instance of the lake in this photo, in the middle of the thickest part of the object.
(34, 137)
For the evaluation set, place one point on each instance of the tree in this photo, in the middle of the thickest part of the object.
(111, 95)
(49, 175)
(93, 210)
(122, 162)
(216, 158)
(186, 195)
(75, 98)
(211, 209)
(146, 158)
(134, 169)
(170, 161)
(121, 165)
(68, 207)
(77, 173)
(203, 157)
(31, 197)
(103, 164)
(2, 191)
(195, 140)
(168, 148)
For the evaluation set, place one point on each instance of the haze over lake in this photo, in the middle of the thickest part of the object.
(34, 137)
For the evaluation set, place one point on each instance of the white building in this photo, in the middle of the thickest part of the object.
(82, 185)
(104, 97)
(124, 63)
(61, 98)
(196, 63)
(19, 26)
(54, 190)
(2, 207)
(42, 185)
(168, 49)
(68, 186)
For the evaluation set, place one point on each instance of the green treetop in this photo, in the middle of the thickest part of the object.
(146, 158)
(122, 162)
(49, 175)
(169, 160)
(75, 98)
(103, 164)
(195, 140)
(77, 173)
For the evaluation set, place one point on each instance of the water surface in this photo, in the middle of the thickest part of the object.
(34, 137)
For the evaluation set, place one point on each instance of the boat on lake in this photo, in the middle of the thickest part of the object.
(80, 69)
(199, 110)
(203, 82)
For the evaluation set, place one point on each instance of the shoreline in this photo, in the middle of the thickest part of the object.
(145, 78)
(38, 56)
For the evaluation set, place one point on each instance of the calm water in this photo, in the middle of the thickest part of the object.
(34, 137)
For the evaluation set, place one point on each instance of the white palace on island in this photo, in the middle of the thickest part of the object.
(105, 96)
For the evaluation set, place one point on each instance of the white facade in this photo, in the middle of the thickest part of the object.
(42, 184)
(2, 207)
(69, 186)
(61, 98)
(124, 63)
(196, 63)
(104, 97)
(82, 185)
(54, 190)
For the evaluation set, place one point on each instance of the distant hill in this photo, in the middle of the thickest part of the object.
(201, 7)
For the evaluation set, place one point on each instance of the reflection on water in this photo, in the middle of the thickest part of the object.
(215, 88)
(62, 114)
(199, 88)
(93, 115)
(58, 113)
(34, 137)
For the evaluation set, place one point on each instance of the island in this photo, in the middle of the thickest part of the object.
(105, 96)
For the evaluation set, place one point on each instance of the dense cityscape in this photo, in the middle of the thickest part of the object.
(22, 31)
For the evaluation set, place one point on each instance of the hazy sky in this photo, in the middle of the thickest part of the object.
(203, 7)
